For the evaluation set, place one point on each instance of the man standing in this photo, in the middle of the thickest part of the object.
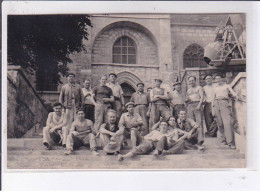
(55, 128)
(160, 140)
(88, 106)
(81, 134)
(222, 110)
(117, 93)
(141, 101)
(194, 102)
(131, 122)
(209, 119)
(192, 128)
(71, 97)
(110, 131)
(102, 97)
(177, 99)
(159, 106)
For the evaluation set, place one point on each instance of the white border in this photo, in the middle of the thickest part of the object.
(178, 180)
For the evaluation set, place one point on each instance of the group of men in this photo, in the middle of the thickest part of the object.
(165, 122)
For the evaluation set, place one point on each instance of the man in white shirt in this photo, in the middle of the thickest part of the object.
(222, 110)
(177, 99)
(88, 105)
(119, 101)
(194, 102)
(211, 124)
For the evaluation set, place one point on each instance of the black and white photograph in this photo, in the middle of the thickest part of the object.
(126, 91)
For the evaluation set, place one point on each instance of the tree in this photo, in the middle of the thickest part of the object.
(43, 43)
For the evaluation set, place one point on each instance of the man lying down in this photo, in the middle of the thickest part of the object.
(162, 141)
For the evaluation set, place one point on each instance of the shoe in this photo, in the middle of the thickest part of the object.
(224, 142)
(232, 147)
(95, 153)
(47, 146)
(156, 153)
(201, 148)
(116, 153)
(120, 157)
(68, 152)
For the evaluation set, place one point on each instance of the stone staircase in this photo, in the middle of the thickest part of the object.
(29, 153)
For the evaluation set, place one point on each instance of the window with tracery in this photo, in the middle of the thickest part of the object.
(193, 56)
(124, 51)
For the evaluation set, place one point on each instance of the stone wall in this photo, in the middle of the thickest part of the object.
(25, 109)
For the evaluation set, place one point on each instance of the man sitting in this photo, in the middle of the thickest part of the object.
(111, 132)
(81, 134)
(131, 122)
(161, 140)
(55, 128)
(190, 126)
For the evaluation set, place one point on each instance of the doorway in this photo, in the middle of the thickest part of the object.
(128, 91)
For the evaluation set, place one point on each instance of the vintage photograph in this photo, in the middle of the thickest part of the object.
(126, 91)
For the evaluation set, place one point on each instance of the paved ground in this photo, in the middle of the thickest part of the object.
(30, 154)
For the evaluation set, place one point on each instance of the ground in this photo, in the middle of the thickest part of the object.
(30, 154)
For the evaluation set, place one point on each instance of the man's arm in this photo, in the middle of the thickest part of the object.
(201, 96)
(48, 122)
(104, 131)
(111, 99)
(61, 97)
(165, 96)
(132, 98)
(72, 128)
(138, 122)
(233, 93)
(64, 123)
(81, 96)
(121, 122)
(153, 98)
(156, 126)
(121, 96)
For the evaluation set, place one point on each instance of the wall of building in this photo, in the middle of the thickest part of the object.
(25, 109)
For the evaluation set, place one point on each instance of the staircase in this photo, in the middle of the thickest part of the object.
(29, 153)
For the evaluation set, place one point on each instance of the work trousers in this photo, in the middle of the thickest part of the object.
(157, 111)
(54, 137)
(210, 122)
(74, 141)
(117, 106)
(197, 116)
(134, 134)
(105, 139)
(224, 120)
(142, 111)
(100, 115)
(172, 147)
(89, 111)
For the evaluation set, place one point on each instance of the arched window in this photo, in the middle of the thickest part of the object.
(193, 56)
(124, 51)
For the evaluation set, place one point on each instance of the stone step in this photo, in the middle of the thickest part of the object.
(110, 162)
(58, 150)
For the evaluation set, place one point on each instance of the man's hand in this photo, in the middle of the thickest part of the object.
(198, 107)
(75, 133)
(189, 135)
(52, 130)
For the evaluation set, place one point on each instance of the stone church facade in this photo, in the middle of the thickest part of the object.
(140, 47)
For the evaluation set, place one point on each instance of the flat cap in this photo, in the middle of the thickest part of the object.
(112, 74)
(129, 103)
(140, 83)
(176, 83)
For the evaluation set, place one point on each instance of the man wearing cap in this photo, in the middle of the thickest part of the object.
(131, 122)
(102, 97)
(81, 134)
(194, 100)
(110, 132)
(141, 101)
(222, 110)
(210, 122)
(71, 97)
(177, 99)
(118, 94)
(159, 106)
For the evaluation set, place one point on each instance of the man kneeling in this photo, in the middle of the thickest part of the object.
(161, 140)
(111, 135)
(81, 134)
(55, 130)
